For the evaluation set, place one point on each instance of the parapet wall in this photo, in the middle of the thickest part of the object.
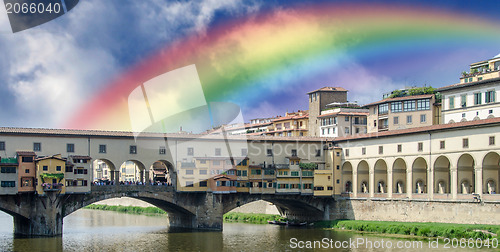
(417, 211)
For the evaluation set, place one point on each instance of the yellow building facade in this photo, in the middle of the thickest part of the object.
(50, 174)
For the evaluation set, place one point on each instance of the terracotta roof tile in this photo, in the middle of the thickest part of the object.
(461, 85)
(330, 89)
(345, 114)
(25, 153)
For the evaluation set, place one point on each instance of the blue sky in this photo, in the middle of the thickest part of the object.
(48, 71)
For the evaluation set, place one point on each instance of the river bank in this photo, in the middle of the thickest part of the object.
(128, 209)
(426, 230)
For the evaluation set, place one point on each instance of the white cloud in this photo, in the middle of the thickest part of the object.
(53, 69)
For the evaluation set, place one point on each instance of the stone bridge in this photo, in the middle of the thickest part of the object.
(36, 215)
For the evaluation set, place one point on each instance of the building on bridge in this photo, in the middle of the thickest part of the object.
(50, 174)
(9, 176)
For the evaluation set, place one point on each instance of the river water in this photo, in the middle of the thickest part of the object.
(94, 230)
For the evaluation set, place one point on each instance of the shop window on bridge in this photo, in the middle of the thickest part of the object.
(294, 173)
(8, 184)
(80, 170)
(26, 182)
(319, 188)
(308, 186)
(330, 188)
(58, 168)
(27, 160)
(8, 169)
(2, 146)
(255, 172)
(203, 183)
(45, 168)
(268, 172)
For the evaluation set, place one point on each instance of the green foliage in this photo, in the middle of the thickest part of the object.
(127, 209)
(252, 217)
(426, 229)
(397, 93)
(58, 176)
(413, 91)
(308, 166)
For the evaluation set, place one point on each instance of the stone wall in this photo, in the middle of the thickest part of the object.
(417, 211)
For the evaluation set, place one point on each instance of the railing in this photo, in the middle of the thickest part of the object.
(383, 127)
(52, 187)
(132, 188)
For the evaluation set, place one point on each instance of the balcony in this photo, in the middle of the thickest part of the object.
(383, 127)
(52, 187)
(282, 166)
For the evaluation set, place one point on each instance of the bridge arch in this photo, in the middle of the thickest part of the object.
(347, 177)
(466, 175)
(491, 173)
(380, 170)
(399, 169)
(133, 170)
(442, 175)
(419, 172)
(170, 176)
(363, 177)
(103, 169)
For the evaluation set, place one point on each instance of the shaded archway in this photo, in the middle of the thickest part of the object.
(419, 174)
(347, 177)
(466, 176)
(380, 170)
(164, 171)
(104, 171)
(399, 176)
(442, 175)
(132, 171)
(363, 177)
(491, 173)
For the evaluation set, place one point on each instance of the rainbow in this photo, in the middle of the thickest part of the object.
(269, 56)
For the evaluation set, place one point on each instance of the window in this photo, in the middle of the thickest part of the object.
(363, 151)
(463, 101)
(191, 151)
(27, 159)
(465, 142)
(409, 119)
(8, 184)
(489, 96)
(8, 169)
(255, 172)
(189, 183)
(383, 108)
(396, 120)
(163, 150)
(451, 102)
(423, 104)
(423, 118)
(2, 146)
(381, 150)
(294, 174)
(374, 123)
(294, 153)
(396, 107)
(244, 173)
(492, 140)
(420, 146)
(442, 145)
(244, 152)
(400, 148)
(269, 152)
(189, 172)
(70, 147)
(346, 152)
(347, 130)
(45, 168)
(27, 171)
(217, 151)
(203, 183)
(318, 153)
(463, 115)
(58, 168)
(203, 172)
(69, 169)
(477, 98)
(409, 106)
(102, 148)
(216, 162)
(133, 149)
(37, 146)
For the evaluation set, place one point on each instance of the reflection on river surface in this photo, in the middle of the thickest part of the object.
(93, 230)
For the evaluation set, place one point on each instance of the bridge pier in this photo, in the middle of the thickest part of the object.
(45, 219)
(208, 216)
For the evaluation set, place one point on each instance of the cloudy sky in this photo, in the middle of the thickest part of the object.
(49, 72)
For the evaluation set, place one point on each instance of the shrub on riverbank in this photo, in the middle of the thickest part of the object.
(416, 228)
(127, 209)
(251, 217)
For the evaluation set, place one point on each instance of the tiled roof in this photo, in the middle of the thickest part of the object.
(292, 117)
(345, 114)
(330, 89)
(461, 85)
(50, 157)
(403, 98)
(419, 129)
(25, 153)
(80, 157)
